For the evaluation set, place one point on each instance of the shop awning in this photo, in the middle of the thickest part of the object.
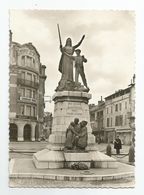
(123, 130)
(110, 129)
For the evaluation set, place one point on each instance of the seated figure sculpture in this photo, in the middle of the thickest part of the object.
(76, 135)
(82, 136)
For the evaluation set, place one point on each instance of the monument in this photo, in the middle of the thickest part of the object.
(71, 141)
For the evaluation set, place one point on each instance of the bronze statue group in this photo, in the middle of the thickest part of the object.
(67, 81)
(76, 135)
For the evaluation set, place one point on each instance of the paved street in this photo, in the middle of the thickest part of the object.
(26, 146)
(39, 183)
(36, 146)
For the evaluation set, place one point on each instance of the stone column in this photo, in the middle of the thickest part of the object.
(20, 130)
(33, 125)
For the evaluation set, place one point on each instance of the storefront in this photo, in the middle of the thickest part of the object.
(109, 135)
(125, 135)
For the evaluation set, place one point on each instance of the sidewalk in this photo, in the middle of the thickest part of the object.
(36, 146)
(27, 146)
(123, 157)
(102, 147)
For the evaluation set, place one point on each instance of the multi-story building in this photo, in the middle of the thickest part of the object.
(26, 92)
(47, 124)
(115, 116)
(97, 120)
(119, 112)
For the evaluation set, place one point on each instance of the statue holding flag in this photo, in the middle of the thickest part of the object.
(66, 63)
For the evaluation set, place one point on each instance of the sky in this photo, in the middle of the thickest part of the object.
(109, 45)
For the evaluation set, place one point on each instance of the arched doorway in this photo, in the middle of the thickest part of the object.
(36, 133)
(13, 132)
(27, 133)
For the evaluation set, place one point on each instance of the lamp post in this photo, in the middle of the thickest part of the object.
(132, 126)
(132, 147)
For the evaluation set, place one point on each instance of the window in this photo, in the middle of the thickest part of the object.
(29, 61)
(34, 78)
(23, 75)
(92, 116)
(34, 111)
(28, 110)
(108, 122)
(28, 93)
(111, 122)
(111, 109)
(22, 109)
(116, 107)
(120, 106)
(125, 105)
(119, 120)
(107, 110)
(23, 60)
(34, 94)
(116, 121)
(125, 120)
(22, 92)
(29, 76)
(33, 61)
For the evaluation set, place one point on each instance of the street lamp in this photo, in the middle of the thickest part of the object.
(48, 99)
(132, 126)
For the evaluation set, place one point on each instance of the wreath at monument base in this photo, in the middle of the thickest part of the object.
(79, 166)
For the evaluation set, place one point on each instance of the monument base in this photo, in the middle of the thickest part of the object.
(48, 159)
(68, 106)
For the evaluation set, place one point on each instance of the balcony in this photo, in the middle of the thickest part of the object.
(26, 117)
(27, 99)
(27, 83)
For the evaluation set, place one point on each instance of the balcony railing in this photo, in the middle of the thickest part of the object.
(28, 99)
(26, 117)
(27, 83)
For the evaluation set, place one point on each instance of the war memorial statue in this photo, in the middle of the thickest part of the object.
(66, 67)
(71, 142)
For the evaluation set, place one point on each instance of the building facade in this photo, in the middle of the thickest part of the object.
(115, 116)
(97, 120)
(26, 92)
(47, 124)
(119, 111)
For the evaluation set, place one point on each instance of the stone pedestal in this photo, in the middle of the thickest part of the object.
(48, 159)
(69, 105)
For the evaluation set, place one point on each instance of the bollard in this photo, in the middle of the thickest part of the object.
(108, 150)
(132, 154)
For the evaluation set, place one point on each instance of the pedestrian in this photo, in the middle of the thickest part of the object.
(117, 145)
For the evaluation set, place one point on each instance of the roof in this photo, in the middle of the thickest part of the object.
(118, 93)
(29, 45)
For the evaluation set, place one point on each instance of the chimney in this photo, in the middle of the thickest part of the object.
(101, 98)
(43, 67)
(134, 79)
(131, 81)
(10, 37)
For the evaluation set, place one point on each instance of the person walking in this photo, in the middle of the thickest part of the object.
(117, 145)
